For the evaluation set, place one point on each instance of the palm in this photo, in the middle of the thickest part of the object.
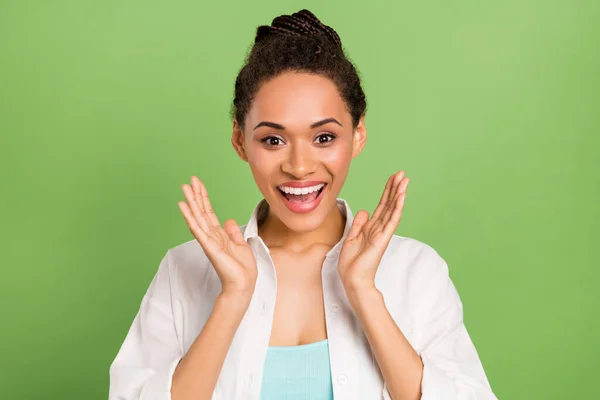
(368, 238)
(234, 257)
(225, 247)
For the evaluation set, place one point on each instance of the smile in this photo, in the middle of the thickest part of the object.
(302, 199)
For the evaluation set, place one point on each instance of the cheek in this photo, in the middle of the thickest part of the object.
(337, 159)
(262, 166)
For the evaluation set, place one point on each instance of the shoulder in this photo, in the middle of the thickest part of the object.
(188, 261)
(413, 256)
(412, 269)
(187, 253)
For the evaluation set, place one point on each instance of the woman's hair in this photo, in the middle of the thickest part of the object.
(300, 43)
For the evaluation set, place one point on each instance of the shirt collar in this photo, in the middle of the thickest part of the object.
(262, 208)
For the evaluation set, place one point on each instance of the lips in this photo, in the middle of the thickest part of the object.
(301, 184)
(302, 196)
(303, 203)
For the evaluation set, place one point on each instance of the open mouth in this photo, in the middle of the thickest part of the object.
(298, 196)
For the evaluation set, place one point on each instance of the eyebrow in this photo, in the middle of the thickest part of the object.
(315, 125)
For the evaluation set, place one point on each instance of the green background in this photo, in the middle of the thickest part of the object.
(492, 109)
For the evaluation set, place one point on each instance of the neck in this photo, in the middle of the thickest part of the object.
(276, 234)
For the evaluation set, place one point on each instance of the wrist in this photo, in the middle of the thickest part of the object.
(361, 295)
(359, 287)
(234, 301)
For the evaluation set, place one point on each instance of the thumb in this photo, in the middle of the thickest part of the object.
(233, 231)
(360, 220)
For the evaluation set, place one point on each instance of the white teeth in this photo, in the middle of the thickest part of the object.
(298, 191)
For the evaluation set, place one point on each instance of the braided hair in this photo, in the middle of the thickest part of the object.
(301, 43)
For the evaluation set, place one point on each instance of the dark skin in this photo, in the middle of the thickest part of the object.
(299, 129)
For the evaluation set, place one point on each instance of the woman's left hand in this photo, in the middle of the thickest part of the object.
(368, 238)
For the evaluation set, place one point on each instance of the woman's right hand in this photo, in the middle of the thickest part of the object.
(226, 248)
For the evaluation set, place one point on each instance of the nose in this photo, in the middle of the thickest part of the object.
(299, 161)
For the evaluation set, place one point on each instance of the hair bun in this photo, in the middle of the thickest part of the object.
(301, 23)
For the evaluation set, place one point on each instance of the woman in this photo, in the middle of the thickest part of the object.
(305, 301)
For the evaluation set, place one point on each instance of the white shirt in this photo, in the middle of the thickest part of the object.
(417, 291)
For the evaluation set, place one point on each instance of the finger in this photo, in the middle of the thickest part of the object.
(202, 196)
(234, 232)
(401, 188)
(192, 222)
(193, 203)
(198, 207)
(195, 208)
(389, 205)
(384, 198)
(358, 223)
(392, 224)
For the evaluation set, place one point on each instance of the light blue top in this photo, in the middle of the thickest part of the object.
(297, 373)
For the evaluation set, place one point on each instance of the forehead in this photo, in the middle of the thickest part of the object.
(298, 99)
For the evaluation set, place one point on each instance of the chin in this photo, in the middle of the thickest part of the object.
(303, 224)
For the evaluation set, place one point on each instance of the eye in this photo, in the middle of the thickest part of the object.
(325, 138)
(272, 141)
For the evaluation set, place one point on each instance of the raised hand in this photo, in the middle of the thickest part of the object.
(368, 238)
(226, 248)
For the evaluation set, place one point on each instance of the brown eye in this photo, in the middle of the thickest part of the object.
(272, 141)
(325, 138)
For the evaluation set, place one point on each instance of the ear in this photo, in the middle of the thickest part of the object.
(360, 137)
(237, 140)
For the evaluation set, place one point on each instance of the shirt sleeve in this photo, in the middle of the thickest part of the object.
(144, 366)
(452, 369)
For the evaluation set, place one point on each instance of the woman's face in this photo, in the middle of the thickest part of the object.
(298, 137)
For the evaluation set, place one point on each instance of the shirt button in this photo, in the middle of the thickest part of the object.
(263, 309)
(342, 379)
(335, 307)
